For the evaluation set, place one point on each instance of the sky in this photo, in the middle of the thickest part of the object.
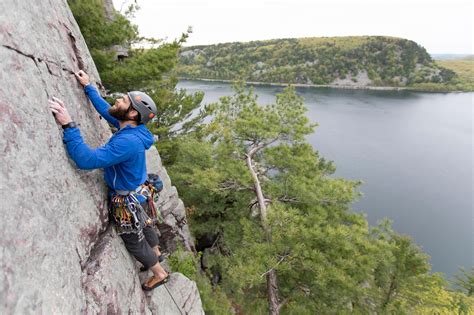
(441, 26)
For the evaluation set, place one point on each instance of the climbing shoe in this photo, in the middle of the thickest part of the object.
(150, 284)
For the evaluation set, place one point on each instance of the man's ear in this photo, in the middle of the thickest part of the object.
(133, 114)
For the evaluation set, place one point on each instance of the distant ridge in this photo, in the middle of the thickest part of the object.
(352, 61)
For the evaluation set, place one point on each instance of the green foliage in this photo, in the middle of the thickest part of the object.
(98, 31)
(327, 259)
(320, 262)
(184, 262)
(213, 299)
(206, 183)
(150, 70)
(143, 68)
(465, 281)
(241, 120)
(401, 277)
(388, 61)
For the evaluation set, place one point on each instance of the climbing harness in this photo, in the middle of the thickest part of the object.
(129, 215)
(133, 210)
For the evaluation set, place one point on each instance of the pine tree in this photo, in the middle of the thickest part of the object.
(465, 280)
(322, 257)
(249, 129)
(256, 158)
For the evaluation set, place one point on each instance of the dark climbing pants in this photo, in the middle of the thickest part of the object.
(142, 250)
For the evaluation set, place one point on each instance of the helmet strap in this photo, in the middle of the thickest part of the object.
(137, 118)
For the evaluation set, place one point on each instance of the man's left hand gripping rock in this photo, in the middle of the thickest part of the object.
(60, 112)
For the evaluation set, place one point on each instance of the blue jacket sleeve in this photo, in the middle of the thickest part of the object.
(100, 104)
(114, 152)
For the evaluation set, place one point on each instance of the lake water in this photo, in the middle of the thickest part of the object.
(413, 151)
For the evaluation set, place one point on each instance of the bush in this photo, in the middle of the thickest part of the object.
(213, 299)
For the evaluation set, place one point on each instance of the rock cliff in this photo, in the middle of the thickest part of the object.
(59, 254)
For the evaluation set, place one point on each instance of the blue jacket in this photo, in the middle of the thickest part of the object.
(123, 157)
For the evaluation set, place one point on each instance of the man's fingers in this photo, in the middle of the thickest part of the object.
(54, 110)
(56, 106)
(55, 102)
(51, 102)
(80, 73)
(59, 101)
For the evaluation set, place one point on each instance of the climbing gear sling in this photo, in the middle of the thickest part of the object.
(128, 210)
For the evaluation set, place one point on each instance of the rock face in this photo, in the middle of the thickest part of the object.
(361, 79)
(109, 8)
(59, 254)
(121, 51)
(111, 286)
(174, 230)
(177, 297)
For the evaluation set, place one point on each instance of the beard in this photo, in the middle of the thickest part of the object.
(120, 114)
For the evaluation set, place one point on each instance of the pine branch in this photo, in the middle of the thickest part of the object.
(232, 185)
(276, 265)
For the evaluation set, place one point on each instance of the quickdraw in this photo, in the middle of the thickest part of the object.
(129, 214)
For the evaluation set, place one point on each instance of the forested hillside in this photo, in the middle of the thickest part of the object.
(344, 61)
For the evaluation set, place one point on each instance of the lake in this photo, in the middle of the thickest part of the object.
(413, 151)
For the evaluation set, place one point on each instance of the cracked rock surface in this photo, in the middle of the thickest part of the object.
(59, 254)
(174, 230)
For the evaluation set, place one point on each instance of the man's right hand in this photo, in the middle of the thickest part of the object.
(82, 77)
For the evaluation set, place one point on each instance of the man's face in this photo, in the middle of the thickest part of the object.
(121, 108)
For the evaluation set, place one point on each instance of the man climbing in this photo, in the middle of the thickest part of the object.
(124, 163)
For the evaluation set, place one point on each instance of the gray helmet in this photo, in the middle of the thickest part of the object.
(143, 104)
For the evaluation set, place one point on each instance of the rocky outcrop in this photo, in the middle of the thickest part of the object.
(176, 297)
(121, 51)
(360, 79)
(59, 254)
(112, 287)
(109, 8)
(174, 230)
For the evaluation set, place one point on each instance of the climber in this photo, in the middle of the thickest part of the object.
(124, 163)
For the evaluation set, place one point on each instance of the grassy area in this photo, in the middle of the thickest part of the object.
(463, 82)
(464, 68)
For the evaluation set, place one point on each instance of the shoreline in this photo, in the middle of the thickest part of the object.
(351, 87)
(331, 86)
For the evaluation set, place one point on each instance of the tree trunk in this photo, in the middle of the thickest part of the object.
(272, 284)
(272, 292)
(388, 297)
(258, 191)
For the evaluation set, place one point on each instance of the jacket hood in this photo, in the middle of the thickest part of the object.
(142, 132)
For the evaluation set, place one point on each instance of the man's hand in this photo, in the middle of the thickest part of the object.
(60, 112)
(82, 77)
